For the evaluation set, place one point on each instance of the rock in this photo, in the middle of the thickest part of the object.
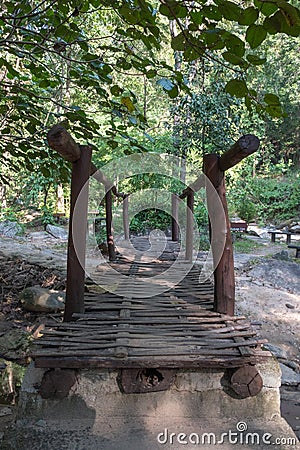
(276, 351)
(37, 299)
(6, 411)
(2, 365)
(10, 229)
(281, 274)
(295, 229)
(290, 306)
(39, 236)
(41, 423)
(292, 364)
(57, 232)
(14, 344)
(288, 376)
(260, 232)
(283, 255)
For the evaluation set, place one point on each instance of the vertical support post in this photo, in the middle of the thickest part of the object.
(109, 226)
(77, 234)
(125, 217)
(224, 286)
(189, 226)
(175, 228)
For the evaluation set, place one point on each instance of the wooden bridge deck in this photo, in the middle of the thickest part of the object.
(141, 328)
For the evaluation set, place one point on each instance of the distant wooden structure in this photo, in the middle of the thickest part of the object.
(197, 329)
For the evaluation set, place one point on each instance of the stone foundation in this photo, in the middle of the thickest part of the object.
(95, 414)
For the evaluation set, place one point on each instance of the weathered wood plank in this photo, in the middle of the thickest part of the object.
(77, 234)
(224, 293)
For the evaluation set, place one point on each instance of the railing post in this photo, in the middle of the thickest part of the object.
(175, 227)
(125, 217)
(224, 286)
(77, 234)
(109, 226)
(189, 226)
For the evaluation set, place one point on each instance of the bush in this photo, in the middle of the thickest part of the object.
(265, 198)
(247, 210)
(150, 219)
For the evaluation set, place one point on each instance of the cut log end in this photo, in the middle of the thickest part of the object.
(249, 143)
(245, 146)
(246, 381)
(61, 141)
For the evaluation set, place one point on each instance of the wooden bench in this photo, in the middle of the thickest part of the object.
(287, 233)
(297, 247)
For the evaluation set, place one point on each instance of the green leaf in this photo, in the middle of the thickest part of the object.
(113, 144)
(116, 90)
(256, 60)
(281, 22)
(173, 93)
(178, 42)
(291, 14)
(151, 73)
(131, 16)
(267, 8)
(230, 10)
(191, 53)
(214, 38)
(44, 83)
(83, 45)
(255, 35)
(248, 16)
(274, 111)
(126, 101)
(173, 10)
(237, 88)
(233, 59)
(235, 45)
(272, 100)
(196, 17)
(212, 12)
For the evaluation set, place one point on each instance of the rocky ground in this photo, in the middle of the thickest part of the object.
(267, 288)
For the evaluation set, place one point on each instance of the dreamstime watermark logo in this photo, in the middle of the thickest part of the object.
(239, 436)
(167, 167)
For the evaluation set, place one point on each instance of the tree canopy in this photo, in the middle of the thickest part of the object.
(96, 64)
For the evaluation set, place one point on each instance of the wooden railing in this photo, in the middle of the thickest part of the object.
(214, 168)
(82, 168)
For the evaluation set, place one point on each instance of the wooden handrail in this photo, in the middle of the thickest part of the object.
(60, 140)
(245, 146)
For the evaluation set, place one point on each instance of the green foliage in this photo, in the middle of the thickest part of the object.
(47, 216)
(150, 219)
(75, 61)
(246, 210)
(102, 67)
(268, 199)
